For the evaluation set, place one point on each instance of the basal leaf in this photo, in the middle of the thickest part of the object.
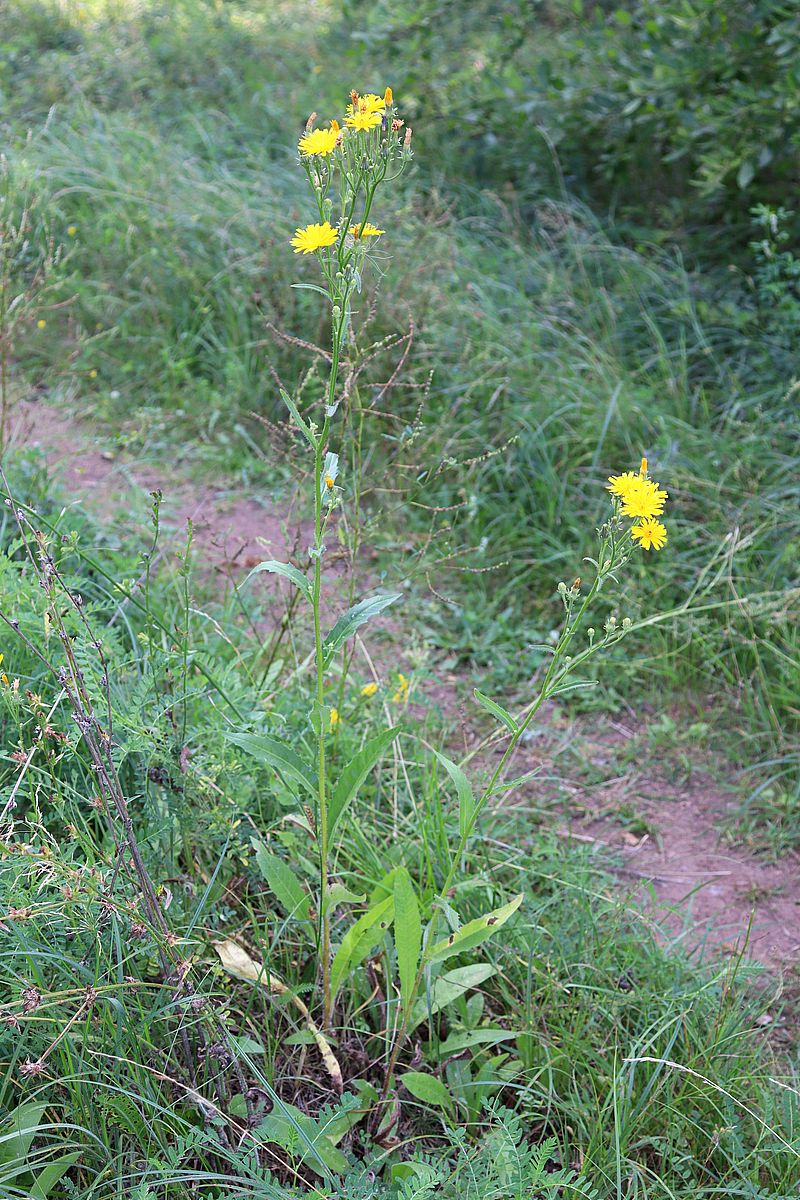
(361, 937)
(474, 932)
(283, 883)
(448, 987)
(407, 934)
(428, 1089)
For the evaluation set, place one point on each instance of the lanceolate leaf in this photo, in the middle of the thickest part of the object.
(428, 1089)
(447, 988)
(497, 710)
(356, 616)
(360, 938)
(407, 934)
(474, 932)
(278, 755)
(301, 424)
(356, 772)
(283, 883)
(287, 571)
(466, 800)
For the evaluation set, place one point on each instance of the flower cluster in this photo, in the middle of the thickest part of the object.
(641, 498)
(360, 150)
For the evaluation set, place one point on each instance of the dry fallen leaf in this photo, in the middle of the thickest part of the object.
(238, 963)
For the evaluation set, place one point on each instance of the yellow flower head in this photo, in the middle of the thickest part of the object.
(650, 534)
(319, 141)
(643, 468)
(93, 374)
(403, 689)
(4, 677)
(367, 230)
(387, 98)
(620, 485)
(369, 689)
(644, 499)
(313, 237)
(72, 230)
(334, 718)
(367, 104)
(360, 119)
(328, 481)
(40, 324)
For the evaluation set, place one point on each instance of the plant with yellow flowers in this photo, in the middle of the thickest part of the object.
(346, 163)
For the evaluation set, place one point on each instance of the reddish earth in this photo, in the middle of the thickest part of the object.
(714, 896)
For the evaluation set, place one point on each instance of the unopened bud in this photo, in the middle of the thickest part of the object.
(310, 122)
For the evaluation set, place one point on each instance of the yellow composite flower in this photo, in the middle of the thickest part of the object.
(313, 237)
(367, 230)
(388, 98)
(369, 103)
(644, 499)
(651, 534)
(40, 324)
(334, 718)
(620, 485)
(369, 689)
(319, 141)
(72, 230)
(361, 120)
(4, 677)
(403, 689)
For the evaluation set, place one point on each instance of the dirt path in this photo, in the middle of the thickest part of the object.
(662, 834)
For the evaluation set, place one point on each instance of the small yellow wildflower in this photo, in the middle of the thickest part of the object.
(334, 719)
(643, 468)
(72, 230)
(40, 324)
(387, 98)
(361, 120)
(651, 534)
(620, 485)
(93, 374)
(403, 689)
(319, 141)
(368, 230)
(313, 237)
(3, 676)
(644, 499)
(366, 104)
(329, 481)
(369, 689)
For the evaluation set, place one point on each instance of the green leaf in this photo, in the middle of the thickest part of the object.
(361, 937)
(50, 1175)
(337, 893)
(498, 711)
(356, 772)
(300, 1134)
(428, 1089)
(287, 571)
(278, 755)
(310, 287)
(474, 932)
(407, 934)
(447, 988)
(467, 1039)
(302, 425)
(283, 883)
(19, 1131)
(466, 799)
(745, 174)
(356, 616)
